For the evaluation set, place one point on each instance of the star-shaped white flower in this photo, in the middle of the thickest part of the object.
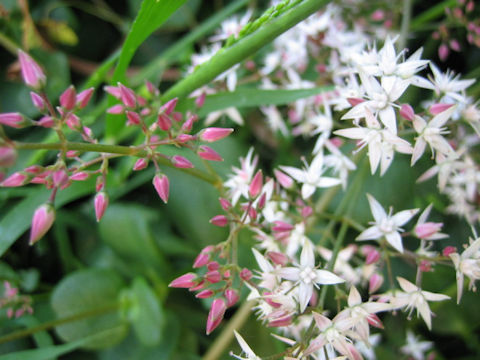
(468, 264)
(386, 225)
(415, 348)
(307, 276)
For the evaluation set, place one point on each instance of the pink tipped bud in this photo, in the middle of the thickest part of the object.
(252, 213)
(374, 283)
(99, 184)
(425, 266)
(406, 111)
(32, 73)
(372, 257)
(470, 6)
(151, 88)
(225, 204)
(215, 316)
(214, 134)
(72, 154)
(200, 101)
(83, 98)
(42, 220)
(127, 96)
(454, 45)
(436, 109)
(278, 258)
(168, 107)
(449, 250)
(213, 265)
(183, 138)
(187, 125)
(162, 185)
(13, 119)
(140, 164)
(208, 153)
(213, 276)
(262, 201)
(101, 203)
(425, 230)
(181, 162)
(133, 118)
(113, 90)
(256, 184)
(15, 180)
(164, 122)
(281, 226)
(60, 178)
(245, 274)
(80, 176)
(219, 220)
(306, 211)
(355, 101)
(115, 109)
(378, 15)
(202, 259)
(375, 321)
(205, 294)
(281, 322)
(8, 156)
(283, 179)
(443, 52)
(46, 122)
(184, 281)
(232, 297)
(37, 101)
(68, 98)
(73, 122)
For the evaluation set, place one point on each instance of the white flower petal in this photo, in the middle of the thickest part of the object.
(395, 240)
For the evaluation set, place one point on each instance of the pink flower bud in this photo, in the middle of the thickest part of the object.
(100, 183)
(37, 101)
(449, 250)
(470, 6)
(80, 176)
(213, 276)
(161, 184)
(443, 52)
(60, 178)
(232, 297)
(198, 286)
(219, 220)
(355, 101)
(252, 213)
(208, 153)
(13, 119)
(425, 266)
(283, 179)
(42, 220)
(213, 265)
(280, 322)
(215, 316)
(164, 122)
(133, 118)
(181, 162)
(151, 88)
(262, 201)
(245, 274)
(46, 122)
(306, 211)
(375, 321)
(225, 204)
(141, 100)
(83, 98)
(454, 45)
(213, 134)
(200, 101)
(127, 96)
(113, 90)
(436, 109)
(202, 259)
(183, 138)
(101, 203)
(15, 180)
(168, 107)
(115, 109)
(378, 15)
(374, 283)
(281, 226)
(204, 294)
(407, 112)
(8, 156)
(87, 134)
(278, 258)
(256, 185)
(140, 164)
(187, 125)
(68, 98)
(32, 73)
(425, 230)
(184, 281)
(72, 154)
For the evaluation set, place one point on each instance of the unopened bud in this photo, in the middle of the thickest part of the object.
(42, 220)
(162, 185)
(32, 73)
(101, 204)
(68, 98)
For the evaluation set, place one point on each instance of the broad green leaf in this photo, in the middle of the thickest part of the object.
(250, 97)
(145, 313)
(152, 14)
(87, 291)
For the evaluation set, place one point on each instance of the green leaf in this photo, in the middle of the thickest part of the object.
(152, 14)
(145, 313)
(250, 97)
(93, 292)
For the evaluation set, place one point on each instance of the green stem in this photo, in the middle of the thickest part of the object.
(407, 15)
(245, 47)
(51, 324)
(432, 13)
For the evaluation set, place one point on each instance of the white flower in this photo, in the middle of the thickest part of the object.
(274, 119)
(311, 176)
(415, 348)
(239, 181)
(340, 163)
(306, 276)
(386, 225)
(250, 355)
(414, 297)
(231, 112)
(468, 264)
